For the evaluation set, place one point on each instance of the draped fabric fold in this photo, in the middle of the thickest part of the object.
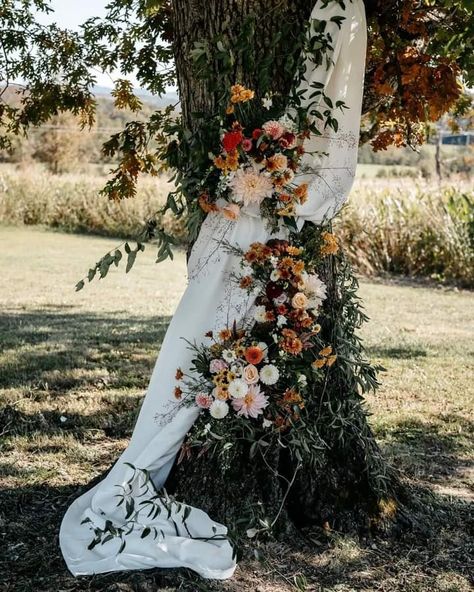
(184, 536)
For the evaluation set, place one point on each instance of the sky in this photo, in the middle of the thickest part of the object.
(72, 13)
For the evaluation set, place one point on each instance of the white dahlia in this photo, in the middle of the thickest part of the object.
(269, 374)
(250, 186)
(219, 409)
(315, 290)
(238, 388)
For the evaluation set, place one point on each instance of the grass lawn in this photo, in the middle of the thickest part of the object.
(73, 368)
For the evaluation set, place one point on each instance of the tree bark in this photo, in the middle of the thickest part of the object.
(205, 20)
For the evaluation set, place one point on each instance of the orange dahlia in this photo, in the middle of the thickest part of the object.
(254, 354)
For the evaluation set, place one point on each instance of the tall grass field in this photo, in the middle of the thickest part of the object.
(402, 226)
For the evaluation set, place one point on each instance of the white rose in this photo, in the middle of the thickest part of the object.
(281, 320)
(302, 380)
(238, 388)
(219, 409)
(260, 314)
(275, 275)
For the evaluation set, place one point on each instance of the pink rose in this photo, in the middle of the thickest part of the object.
(217, 365)
(250, 374)
(203, 401)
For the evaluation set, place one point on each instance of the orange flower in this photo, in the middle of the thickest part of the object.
(254, 355)
(326, 351)
(240, 94)
(290, 342)
(330, 246)
(301, 192)
(179, 374)
(178, 392)
(227, 163)
(246, 282)
(225, 334)
(319, 363)
(231, 212)
(205, 204)
(331, 360)
(222, 393)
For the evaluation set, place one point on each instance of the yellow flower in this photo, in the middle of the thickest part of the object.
(319, 363)
(295, 251)
(331, 360)
(287, 211)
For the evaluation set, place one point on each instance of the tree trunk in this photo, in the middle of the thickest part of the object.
(203, 21)
(351, 482)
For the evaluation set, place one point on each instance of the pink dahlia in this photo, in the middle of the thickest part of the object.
(252, 404)
(203, 401)
(274, 129)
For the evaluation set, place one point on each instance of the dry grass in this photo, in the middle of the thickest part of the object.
(413, 229)
(75, 366)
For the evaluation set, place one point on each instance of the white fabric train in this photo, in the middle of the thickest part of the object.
(209, 302)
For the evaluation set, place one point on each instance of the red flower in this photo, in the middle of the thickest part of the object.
(273, 290)
(257, 133)
(231, 140)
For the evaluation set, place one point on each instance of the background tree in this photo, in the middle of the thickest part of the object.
(419, 51)
(61, 144)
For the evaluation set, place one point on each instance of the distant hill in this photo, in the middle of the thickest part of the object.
(170, 98)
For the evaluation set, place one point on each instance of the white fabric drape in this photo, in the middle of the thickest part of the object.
(211, 302)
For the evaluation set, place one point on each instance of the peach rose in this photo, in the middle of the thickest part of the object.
(250, 374)
(299, 301)
(231, 212)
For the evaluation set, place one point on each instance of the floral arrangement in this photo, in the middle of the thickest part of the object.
(260, 370)
(256, 165)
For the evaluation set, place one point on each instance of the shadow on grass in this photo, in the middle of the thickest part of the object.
(59, 351)
(32, 562)
(435, 451)
(439, 543)
(398, 353)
